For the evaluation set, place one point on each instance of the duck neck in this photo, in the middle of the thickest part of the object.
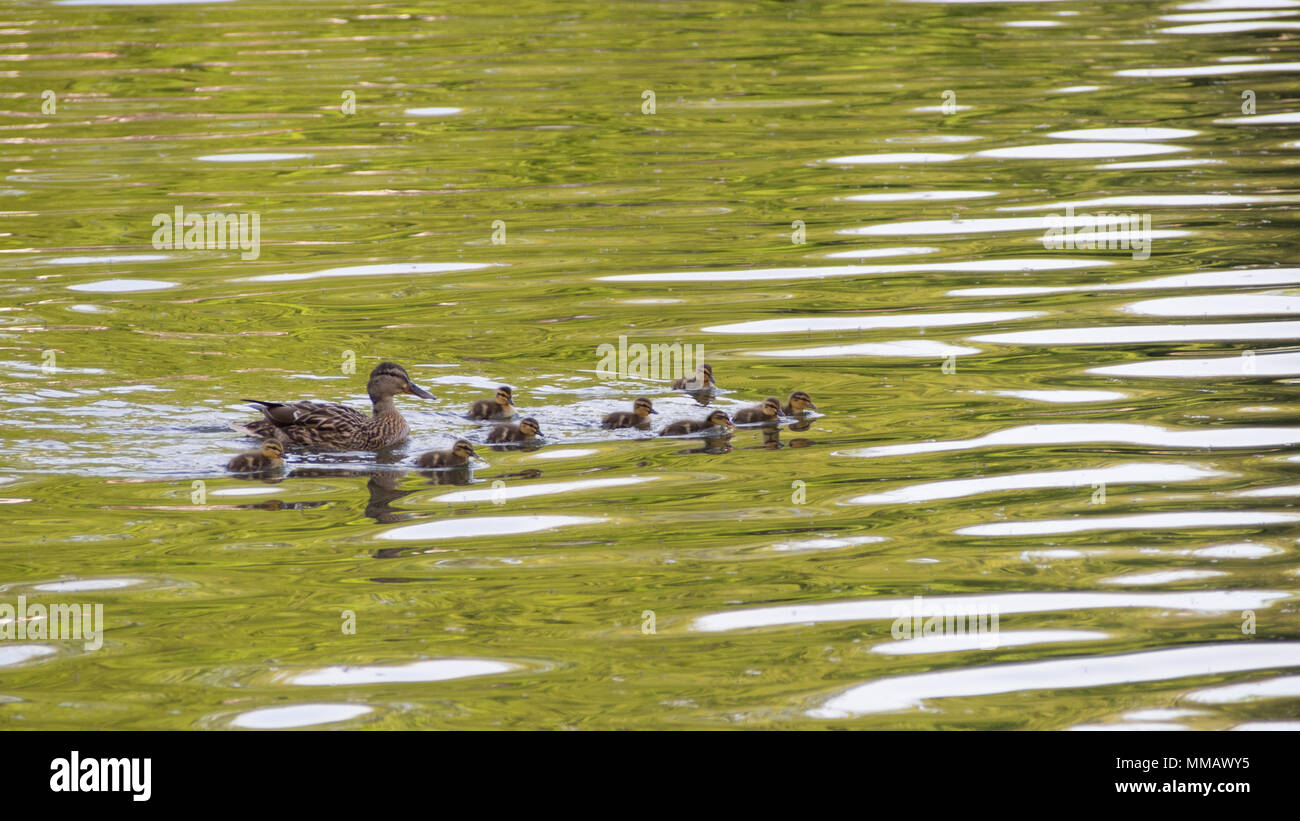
(383, 405)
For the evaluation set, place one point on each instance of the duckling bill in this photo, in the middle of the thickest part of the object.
(270, 457)
(717, 419)
(327, 426)
(526, 431)
(766, 413)
(701, 380)
(638, 418)
(457, 456)
(501, 406)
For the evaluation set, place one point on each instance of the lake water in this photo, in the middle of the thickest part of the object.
(1096, 446)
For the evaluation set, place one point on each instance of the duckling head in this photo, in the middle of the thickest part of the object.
(720, 419)
(801, 401)
(388, 379)
(272, 449)
(706, 370)
(642, 407)
(463, 449)
(529, 427)
(505, 396)
(772, 407)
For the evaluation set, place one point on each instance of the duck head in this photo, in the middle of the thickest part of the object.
(705, 372)
(529, 427)
(463, 449)
(800, 401)
(505, 396)
(771, 407)
(272, 449)
(642, 407)
(719, 419)
(388, 379)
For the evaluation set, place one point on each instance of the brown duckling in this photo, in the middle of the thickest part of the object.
(458, 456)
(255, 461)
(767, 413)
(638, 418)
(717, 419)
(526, 431)
(701, 380)
(338, 427)
(798, 403)
(502, 406)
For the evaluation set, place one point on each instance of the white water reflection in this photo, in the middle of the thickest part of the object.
(1241, 278)
(1135, 473)
(866, 322)
(1144, 201)
(1207, 71)
(299, 715)
(1285, 118)
(1217, 305)
(1123, 134)
(1067, 433)
(418, 671)
(975, 641)
(434, 111)
(923, 157)
(1285, 687)
(1063, 397)
(1233, 28)
(1024, 264)
(1135, 521)
(867, 253)
(123, 286)
(1255, 365)
(919, 196)
(985, 225)
(1213, 601)
(1078, 151)
(908, 692)
(524, 491)
(388, 268)
(14, 654)
(1163, 577)
(472, 527)
(259, 157)
(1157, 164)
(905, 348)
(1140, 334)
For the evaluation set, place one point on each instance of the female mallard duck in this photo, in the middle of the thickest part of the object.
(768, 412)
(638, 418)
(798, 403)
(256, 461)
(458, 456)
(500, 407)
(339, 427)
(526, 431)
(717, 419)
(701, 380)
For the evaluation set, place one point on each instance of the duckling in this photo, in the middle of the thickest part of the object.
(500, 407)
(458, 456)
(798, 403)
(766, 413)
(638, 418)
(338, 427)
(255, 461)
(701, 380)
(525, 431)
(717, 419)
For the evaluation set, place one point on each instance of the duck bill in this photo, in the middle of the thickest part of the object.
(811, 405)
(416, 390)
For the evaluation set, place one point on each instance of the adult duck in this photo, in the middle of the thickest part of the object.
(326, 426)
